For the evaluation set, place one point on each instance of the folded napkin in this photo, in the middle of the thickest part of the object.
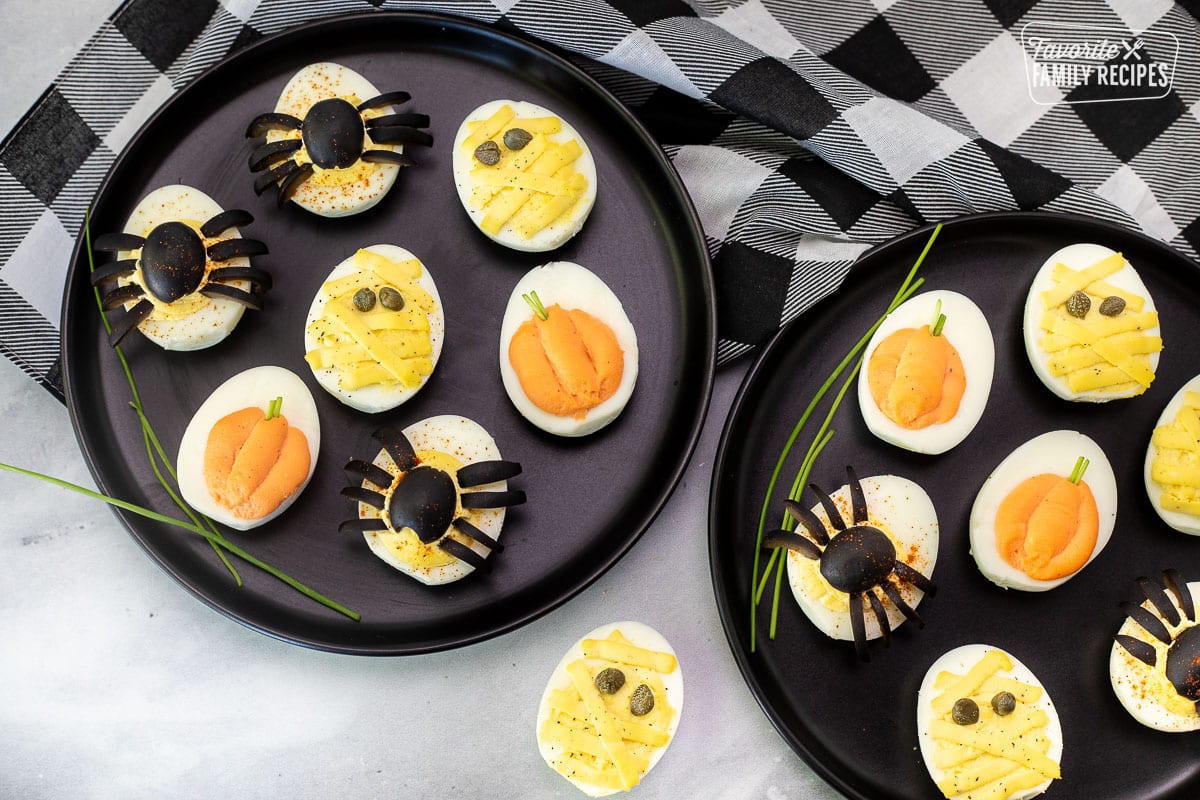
(804, 131)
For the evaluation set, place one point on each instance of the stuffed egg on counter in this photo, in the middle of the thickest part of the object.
(568, 352)
(251, 448)
(928, 373)
(524, 175)
(610, 708)
(375, 328)
(1044, 513)
(1172, 470)
(987, 727)
(1090, 326)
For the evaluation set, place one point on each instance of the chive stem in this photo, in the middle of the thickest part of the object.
(274, 407)
(540, 310)
(937, 312)
(1081, 465)
(937, 328)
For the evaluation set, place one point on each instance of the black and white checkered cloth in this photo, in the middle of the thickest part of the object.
(805, 131)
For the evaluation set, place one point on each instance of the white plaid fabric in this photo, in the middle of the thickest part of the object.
(805, 131)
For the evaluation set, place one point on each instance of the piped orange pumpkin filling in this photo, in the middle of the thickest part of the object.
(1047, 526)
(252, 464)
(568, 362)
(916, 378)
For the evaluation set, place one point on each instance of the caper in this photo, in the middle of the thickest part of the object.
(1004, 703)
(1078, 304)
(641, 701)
(1112, 306)
(364, 299)
(609, 680)
(391, 299)
(965, 712)
(488, 153)
(516, 138)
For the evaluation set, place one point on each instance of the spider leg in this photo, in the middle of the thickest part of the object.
(467, 529)
(492, 499)
(288, 186)
(909, 575)
(121, 295)
(373, 499)
(908, 611)
(1152, 624)
(811, 522)
(232, 293)
(267, 154)
(114, 270)
(233, 248)
(409, 119)
(885, 625)
(129, 321)
(482, 472)
(114, 242)
(835, 518)
(376, 475)
(858, 501)
(363, 524)
(272, 121)
(858, 624)
(386, 157)
(1138, 649)
(1158, 598)
(276, 175)
(385, 99)
(792, 541)
(1178, 587)
(464, 553)
(260, 280)
(398, 446)
(399, 134)
(222, 222)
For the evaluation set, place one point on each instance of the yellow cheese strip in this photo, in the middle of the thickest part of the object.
(1130, 363)
(544, 210)
(1179, 474)
(629, 654)
(370, 373)
(519, 179)
(631, 730)
(1189, 419)
(1096, 327)
(409, 318)
(1101, 378)
(1073, 358)
(506, 203)
(572, 740)
(587, 771)
(390, 271)
(406, 344)
(1073, 281)
(362, 334)
(1172, 502)
(514, 160)
(546, 125)
(349, 284)
(996, 741)
(605, 727)
(1171, 438)
(486, 129)
(978, 773)
(993, 661)
(1132, 366)
(1006, 787)
(1103, 289)
(1024, 692)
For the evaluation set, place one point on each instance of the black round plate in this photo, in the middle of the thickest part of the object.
(589, 499)
(854, 722)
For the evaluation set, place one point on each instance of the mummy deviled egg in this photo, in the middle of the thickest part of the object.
(987, 727)
(928, 373)
(568, 352)
(525, 176)
(183, 275)
(1091, 329)
(333, 145)
(251, 448)
(872, 543)
(432, 502)
(611, 708)
(1172, 470)
(1155, 661)
(1044, 513)
(375, 329)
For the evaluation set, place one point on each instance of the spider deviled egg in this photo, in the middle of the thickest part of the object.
(524, 175)
(334, 144)
(250, 448)
(568, 352)
(432, 502)
(987, 726)
(183, 276)
(375, 328)
(865, 558)
(1091, 329)
(1172, 470)
(1044, 513)
(611, 708)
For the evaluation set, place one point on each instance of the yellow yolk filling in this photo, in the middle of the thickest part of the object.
(568, 363)
(1047, 526)
(252, 464)
(916, 378)
(1176, 464)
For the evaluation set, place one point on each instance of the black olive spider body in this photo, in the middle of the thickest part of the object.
(173, 261)
(858, 560)
(425, 499)
(1182, 664)
(334, 134)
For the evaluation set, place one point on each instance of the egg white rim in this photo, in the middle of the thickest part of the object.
(558, 232)
(965, 322)
(268, 382)
(376, 398)
(641, 635)
(1184, 523)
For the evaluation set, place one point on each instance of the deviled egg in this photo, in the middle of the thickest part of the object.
(1172, 470)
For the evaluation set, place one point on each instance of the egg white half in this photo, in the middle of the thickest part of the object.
(216, 319)
(1055, 453)
(641, 635)
(378, 397)
(255, 387)
(563, 228)
(968, 331)
(467, 441)
(1127, 675)
(570, 286)
(309, 86)
(909, 515)
(959, 661)
(1185, 523)
(1077, 257)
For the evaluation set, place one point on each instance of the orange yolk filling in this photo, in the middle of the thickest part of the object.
(567, 363)
(1047, 526)
(917, 379)
(252, 464)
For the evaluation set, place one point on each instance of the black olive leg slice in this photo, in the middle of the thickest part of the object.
(467, 529)
(885, 626)
(400, 134)
(464, 553)
(114, 270)
(811, 522)
(224, 292)
(114, 242)
(271, 121)
(492, 499)
(897, 599)
(236, 248)
(385, 99)
(1138, 649)
(233, 218)
(121, 295)
(1158, 598)
(260, 280)
(482, 472)
(909, 575)
(376, 475)
(266, 155)
(398, 446)
(792, 541)
(1152, 624)
(1175, 582)
(129, 321)
(858, 625)
(373, 499)
(409, 119)
(363, 524)
(858, 500)
(387, 157)
(831, 511)
(289, 185)
(280, 173)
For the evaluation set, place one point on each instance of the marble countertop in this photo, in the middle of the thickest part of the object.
(117, 683)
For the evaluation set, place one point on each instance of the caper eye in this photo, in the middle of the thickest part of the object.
(609, 680)
(364, 299)
(965, 712)
(641, 701)
(1004, 703)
